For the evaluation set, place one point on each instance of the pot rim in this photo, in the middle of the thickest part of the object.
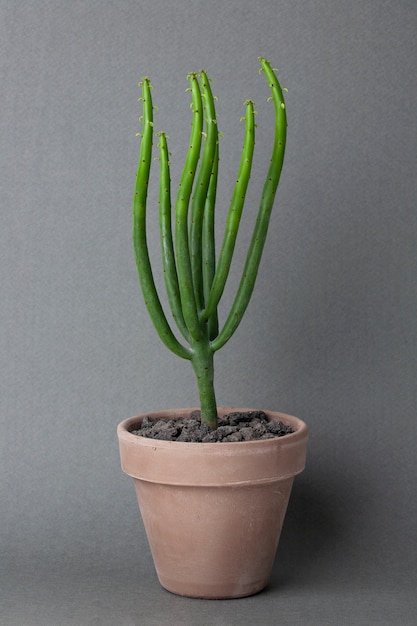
(127, 425)
(229, 463)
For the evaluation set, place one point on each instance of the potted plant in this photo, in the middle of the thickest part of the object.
(212, 511)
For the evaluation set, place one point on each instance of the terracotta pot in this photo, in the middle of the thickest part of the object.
(213, 512)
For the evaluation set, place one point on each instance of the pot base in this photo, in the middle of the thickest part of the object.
(223, 540)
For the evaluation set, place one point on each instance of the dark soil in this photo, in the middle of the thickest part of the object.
(234, 427)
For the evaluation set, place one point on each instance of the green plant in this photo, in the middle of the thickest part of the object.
(194, 281)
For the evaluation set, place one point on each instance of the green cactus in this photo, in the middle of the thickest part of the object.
(194, 281)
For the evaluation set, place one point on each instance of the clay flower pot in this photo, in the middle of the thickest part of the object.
(213, 512)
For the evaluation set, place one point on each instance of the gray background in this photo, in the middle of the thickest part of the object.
(330, 335)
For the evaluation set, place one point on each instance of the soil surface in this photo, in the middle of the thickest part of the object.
(234, 427)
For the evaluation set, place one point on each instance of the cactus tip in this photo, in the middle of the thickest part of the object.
(145, 79)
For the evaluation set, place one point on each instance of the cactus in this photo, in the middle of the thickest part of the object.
(194, 281)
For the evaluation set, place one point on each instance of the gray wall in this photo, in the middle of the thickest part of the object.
(330, 335)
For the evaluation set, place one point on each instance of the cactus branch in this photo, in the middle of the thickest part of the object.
(261, 227)
(188, 298)
(167, 246)
(235, 213)
(209, 251)
(201, 190)
(140, 245)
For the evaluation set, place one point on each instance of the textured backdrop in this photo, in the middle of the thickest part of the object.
(330, 334)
